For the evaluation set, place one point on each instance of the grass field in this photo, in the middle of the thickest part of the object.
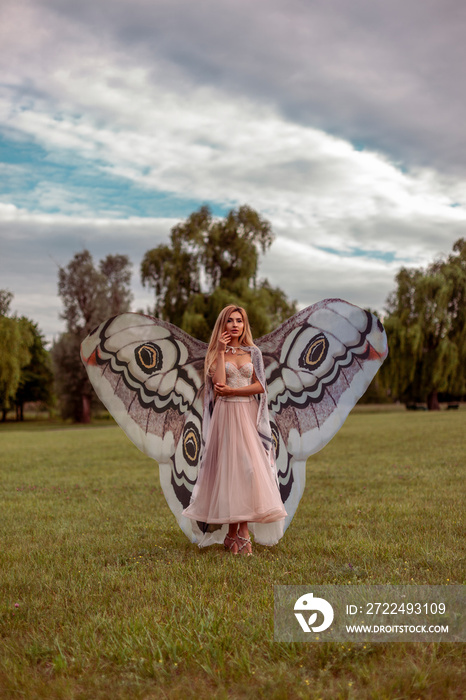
(102, 596)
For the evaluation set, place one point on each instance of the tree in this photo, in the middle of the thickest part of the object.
(15, 340)
(25, 372)
(71, 383)
(426, 328)
(89, 295)
(5, 301)
(36, 381)
(221, 256)
(117, 275)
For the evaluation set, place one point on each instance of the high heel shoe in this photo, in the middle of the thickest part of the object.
(246, 541)
(231, 545)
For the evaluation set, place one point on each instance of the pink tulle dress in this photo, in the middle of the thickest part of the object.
(236, 481)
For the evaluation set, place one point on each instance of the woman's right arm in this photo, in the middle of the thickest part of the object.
(220, 376)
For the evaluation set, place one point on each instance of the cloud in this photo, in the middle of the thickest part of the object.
(229, 152)
(340, 122)
(33, 246)
(385, 75)
(309, 274)
(124, 90)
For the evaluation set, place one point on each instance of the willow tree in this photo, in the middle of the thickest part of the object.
(426, 327)
(15, 340)
(25, 367)
(210, 263)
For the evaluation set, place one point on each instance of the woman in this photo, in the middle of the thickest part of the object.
(237, 479)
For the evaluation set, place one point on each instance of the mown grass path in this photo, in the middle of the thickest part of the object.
(102, 596)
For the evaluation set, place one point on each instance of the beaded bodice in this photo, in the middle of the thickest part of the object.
(238, 376)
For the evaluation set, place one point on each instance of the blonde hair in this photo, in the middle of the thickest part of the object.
(220, 325)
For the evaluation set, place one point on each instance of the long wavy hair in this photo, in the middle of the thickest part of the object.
(220, 326)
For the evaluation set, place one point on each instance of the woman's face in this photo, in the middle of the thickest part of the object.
(235, 324)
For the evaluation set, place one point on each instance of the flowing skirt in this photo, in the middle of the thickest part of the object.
(236, 481)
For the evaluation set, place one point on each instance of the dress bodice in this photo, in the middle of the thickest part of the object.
(238, 376)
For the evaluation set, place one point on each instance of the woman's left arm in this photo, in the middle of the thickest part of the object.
(254, 388)
(249, 390)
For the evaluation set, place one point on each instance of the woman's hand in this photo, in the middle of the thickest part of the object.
(223, 390)
(223, 342)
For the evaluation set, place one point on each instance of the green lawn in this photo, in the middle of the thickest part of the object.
(102, 596)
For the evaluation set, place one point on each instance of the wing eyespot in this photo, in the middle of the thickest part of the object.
(314, 353)
(149, 357)
(275, 438)
(191, 444)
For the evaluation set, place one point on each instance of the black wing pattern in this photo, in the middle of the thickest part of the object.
(317, 365)
(149, 374)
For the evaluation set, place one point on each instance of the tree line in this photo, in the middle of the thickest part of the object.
(213, 262)
(426, 329)
(25, 367)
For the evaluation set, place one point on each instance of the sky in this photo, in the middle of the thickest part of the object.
(340, 121)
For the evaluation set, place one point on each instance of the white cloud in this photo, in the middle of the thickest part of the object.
(309, 274)
(154, 94)
(385, 74)
(228, 151)
(34, 246)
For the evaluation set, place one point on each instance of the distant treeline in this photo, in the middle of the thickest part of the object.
(208, 264)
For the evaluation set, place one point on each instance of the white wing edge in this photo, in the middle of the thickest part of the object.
(307, 444)
(152, 445)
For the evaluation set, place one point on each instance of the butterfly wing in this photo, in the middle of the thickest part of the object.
(149, 374)
(317, 365)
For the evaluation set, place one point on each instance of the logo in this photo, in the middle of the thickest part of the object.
(309, 604)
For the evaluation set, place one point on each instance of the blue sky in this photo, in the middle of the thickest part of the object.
(342, 123)
(84, 183)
